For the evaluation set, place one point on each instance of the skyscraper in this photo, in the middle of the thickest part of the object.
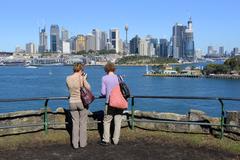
(64, 34)
(80, 43)
(73, 44)
(163, 48)
(114, 36)
(177, 40)
(210, 50)
(43, 41)
(143, 47)
(90, 42)
(54, 38)
(221, 51)
(188, 43)
(103, 40)
(182, 42)
(134, 44)
(97, 35)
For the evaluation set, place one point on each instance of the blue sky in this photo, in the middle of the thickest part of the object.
(215, 22)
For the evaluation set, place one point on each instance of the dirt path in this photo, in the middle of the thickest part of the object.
(143, 148)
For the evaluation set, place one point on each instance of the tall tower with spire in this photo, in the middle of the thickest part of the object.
(188, 42)
(126, 46)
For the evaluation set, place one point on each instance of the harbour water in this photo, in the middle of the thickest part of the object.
(23, 82)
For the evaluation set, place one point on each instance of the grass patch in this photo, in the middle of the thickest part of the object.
(62, 137)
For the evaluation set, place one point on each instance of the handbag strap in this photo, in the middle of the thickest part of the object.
(81, 82)
(120, 79)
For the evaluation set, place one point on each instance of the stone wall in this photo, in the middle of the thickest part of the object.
(60, 119)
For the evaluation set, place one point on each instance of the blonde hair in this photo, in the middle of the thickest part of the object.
(77, 67)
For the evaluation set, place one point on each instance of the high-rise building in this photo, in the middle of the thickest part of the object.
(153, 41)
(210, 50)
(90, 42)
(182, 41)
(43, 41)
(64, 34)
(54, 38)
(66, 47)
(235, 51)
(177, 40)
(73, 44)
(30, 48)
(97, 35)
(188, 43)
(163, 48)
(134, 44)
(80, 43)
(143, 47)
(221, 51)
(114, 36)
(103, 40)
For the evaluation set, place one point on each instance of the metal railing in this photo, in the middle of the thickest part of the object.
(47, 99)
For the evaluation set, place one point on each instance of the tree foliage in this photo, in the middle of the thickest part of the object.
(232, 64)
(132, 60)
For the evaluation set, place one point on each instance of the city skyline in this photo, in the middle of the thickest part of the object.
(215, 23)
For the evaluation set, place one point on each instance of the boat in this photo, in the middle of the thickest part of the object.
(31, 67)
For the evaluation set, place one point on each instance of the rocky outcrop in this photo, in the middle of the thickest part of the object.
(31, 121)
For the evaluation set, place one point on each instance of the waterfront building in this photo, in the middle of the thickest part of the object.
(151, 49)
(109, 45)
(103, 40)
(221, 51)
(188, 43)
(43, 41)
(54, 38)
(143, 47)
(97, 35)
(30, 48)
(235, 51)
(210, 50)
(182, 41)
(199, 53)
(153, 41)
(134, 44)
(114, 36)
(80, 43)
(90, 42)
(64, 34)
(66, 47)
(177, 40)
(72, 41)
(163, 48)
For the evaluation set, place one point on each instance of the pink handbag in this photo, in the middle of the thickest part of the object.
(116, 99)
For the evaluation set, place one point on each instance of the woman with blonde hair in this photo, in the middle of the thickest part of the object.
(79, 114)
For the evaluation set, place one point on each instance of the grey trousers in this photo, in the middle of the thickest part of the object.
(117, 127)
(79, 124)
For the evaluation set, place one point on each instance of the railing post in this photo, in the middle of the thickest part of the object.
(46, 116)
(222, 118)
(132, 119)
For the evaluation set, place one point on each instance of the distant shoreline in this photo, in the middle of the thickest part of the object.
(222, 76)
